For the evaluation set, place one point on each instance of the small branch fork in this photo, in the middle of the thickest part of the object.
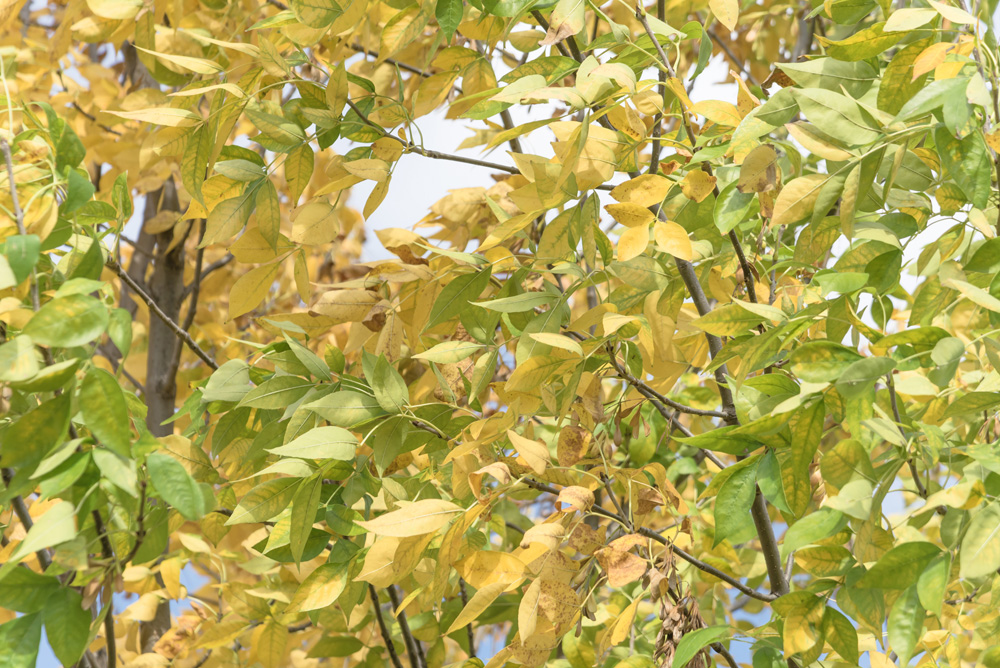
(659, 538)
(177, 329)
(758, 510)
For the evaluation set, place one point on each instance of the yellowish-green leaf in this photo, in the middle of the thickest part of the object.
(415, 519)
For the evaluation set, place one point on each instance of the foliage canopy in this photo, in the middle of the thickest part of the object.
(701, 381)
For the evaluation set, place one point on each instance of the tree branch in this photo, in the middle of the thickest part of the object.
(921, 489)
(659, 538)
(650, 392)
(468, 627)
(413, 648)
(383, 629)
(109, 614)
(21, 510)
(181, 334)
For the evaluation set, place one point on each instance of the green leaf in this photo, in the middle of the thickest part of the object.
(449, 15)
(863, 44)
(831, 74)
(906, 625)
(728, 320)
(972, 402)
(807, 431)
(120, 330)
(68, 321)
(305, 505)
(264, 501)
(26, 591)
(838, 115)
(821, 361)
(268, 209)
(980, 553)
(18, 359)
(19, 641)
(197, 157)
(176, 486)
(812, 528)
(321, 443)
(695, 641)
(900, 567)
(390, 389)
(456, 296)
(240, 170)
(840, 633)
(31, 438)
(966, 161)
(67, 625)
(102, 406)
(722, 440)
(118, 470)
(56, 526)
(299, 167)
(732, 506)
(346, 408)
(862, 375)
(226, 219)
(230, 382)
(933, 583)
(317, 14)
(22, 252)
(278, 392)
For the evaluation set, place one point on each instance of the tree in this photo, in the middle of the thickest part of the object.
(706, 381)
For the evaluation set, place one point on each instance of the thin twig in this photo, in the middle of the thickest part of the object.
(894, 402)
(21, 510)
(140, 532)
(659, 538)
(413, 647)
(468, 627)
(383, 629)
(181, 334)
(109, 614)
(732, 57)
(635, 382)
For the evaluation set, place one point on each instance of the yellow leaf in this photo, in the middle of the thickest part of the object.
(415, 519)
(122, 10)
(527, 611)
(197, 65)
(534, 452)
(232, 89)
(271, 640)
(672, 238)
(697, 185)
(168, 116)
(314, 224)
(620, 627)
(797, 199)
(727, 11)
(759, 171)
(720, 113)
(250, 289)
(170, 571)
(346, 305)
(807, 135)
(632, 243)
(576, 498)
(574, 443)
(630, 215)
(481, 600)
(372, 169)
(953, 14)
(486, 567)
(645, 190)
(323, 586)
